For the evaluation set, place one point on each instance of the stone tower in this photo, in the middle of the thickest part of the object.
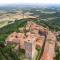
(30, 48)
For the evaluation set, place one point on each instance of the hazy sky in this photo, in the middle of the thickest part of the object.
(30, 1)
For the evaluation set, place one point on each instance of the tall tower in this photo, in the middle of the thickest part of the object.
(30, 48)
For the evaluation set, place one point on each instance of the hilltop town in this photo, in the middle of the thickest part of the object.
(32, 37)
(29, 31)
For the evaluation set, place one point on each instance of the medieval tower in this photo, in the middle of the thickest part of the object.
(30, 48)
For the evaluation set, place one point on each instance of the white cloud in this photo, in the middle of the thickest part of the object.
(29, 1)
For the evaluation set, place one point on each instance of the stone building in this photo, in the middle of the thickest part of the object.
(30, 45)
